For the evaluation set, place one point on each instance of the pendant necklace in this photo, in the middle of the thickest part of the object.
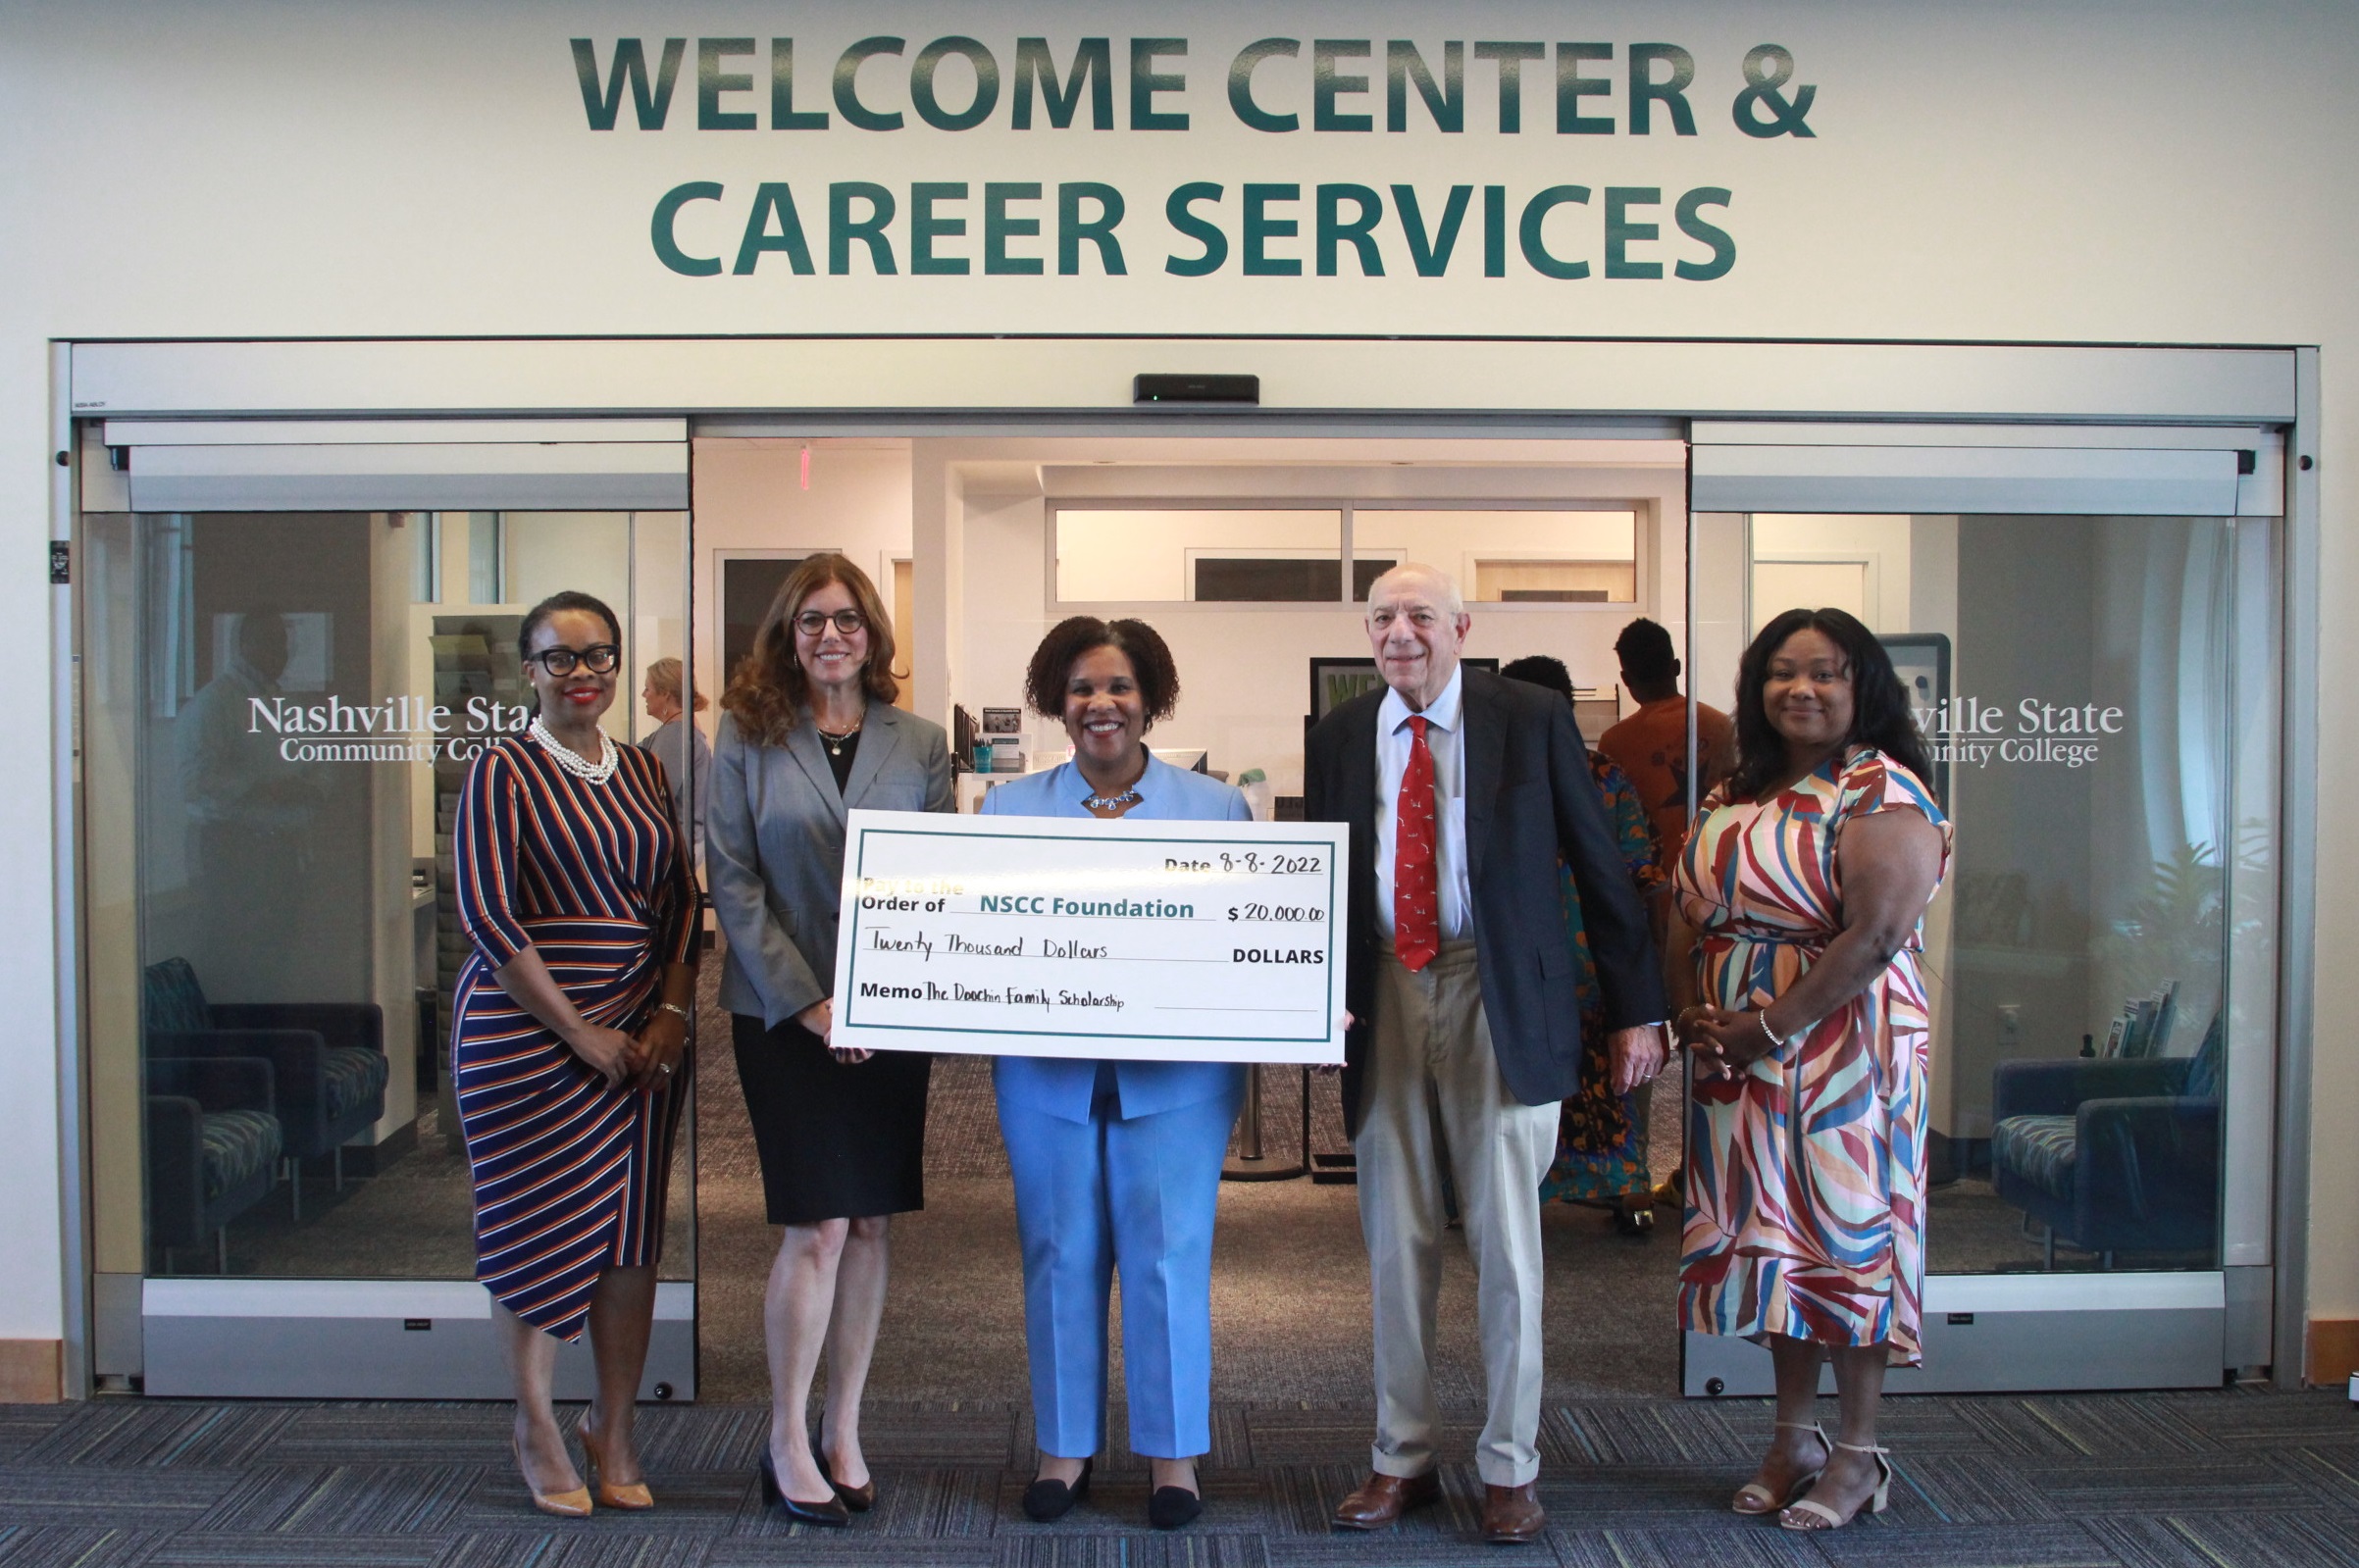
(597, 773)
(835, 743)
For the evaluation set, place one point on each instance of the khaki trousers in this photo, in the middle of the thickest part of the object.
(1432, 1039)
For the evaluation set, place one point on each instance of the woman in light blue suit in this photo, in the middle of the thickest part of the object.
(1116, 1164)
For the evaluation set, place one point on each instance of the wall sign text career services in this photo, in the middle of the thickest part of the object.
(1274, 228)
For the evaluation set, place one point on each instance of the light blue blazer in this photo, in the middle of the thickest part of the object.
(1062, 1086)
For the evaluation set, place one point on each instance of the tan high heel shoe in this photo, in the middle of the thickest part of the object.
(1812, 1514)
(631, 1497)
(1752, 1499)
(573, 1504)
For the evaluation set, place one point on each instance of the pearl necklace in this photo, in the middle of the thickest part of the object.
(597, 773)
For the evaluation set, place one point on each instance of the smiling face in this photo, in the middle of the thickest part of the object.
(1417, 633)
(1106, 715)
(831, 657)
(1808, 697)
(583, 695)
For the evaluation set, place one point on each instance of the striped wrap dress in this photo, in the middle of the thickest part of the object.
(1806, 1171)
(570, 1172)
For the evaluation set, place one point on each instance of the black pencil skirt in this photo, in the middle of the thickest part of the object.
(836, 1140)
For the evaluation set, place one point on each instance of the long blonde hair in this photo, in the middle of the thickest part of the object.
(768, 689)
(667, 676)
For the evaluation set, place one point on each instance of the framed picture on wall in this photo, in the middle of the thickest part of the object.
(1922, 661)
(748, 580)
(1336, 681)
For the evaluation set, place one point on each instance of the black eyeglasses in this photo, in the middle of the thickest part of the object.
(810, 622)
(599, 658)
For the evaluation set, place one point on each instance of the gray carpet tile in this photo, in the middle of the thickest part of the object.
(566, 1547)
(331, 1549)
(1876, 1544)
(1683, 1547)
(2268, 1540)
(26, 1546)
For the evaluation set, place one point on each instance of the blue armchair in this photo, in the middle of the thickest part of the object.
(213, 1147)
(328, 1058)
(2113, 1155)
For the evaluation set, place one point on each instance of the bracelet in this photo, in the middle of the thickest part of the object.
(675, 1008)
(1775, 1043)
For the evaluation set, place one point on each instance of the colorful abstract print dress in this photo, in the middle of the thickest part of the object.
(1601, 1138)
(1806, 1171)
(570, 1172)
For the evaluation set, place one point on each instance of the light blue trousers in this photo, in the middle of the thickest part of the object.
(1138, 1195)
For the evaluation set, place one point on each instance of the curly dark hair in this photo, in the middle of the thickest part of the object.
(1540, 670)
(537, 616)
(768, 689)
(1150, 660)
(1879, 711)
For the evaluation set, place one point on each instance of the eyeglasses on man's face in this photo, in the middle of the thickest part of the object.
(810, 622)
(599, 658)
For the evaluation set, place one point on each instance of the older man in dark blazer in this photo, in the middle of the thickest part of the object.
(1462, 791)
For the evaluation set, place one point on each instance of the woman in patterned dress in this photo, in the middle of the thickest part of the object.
(1601, 1135)
(572, 1018)
(1802, 889)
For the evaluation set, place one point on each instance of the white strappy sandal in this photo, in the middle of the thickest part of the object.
(1752, 1499)
(1812, 1514)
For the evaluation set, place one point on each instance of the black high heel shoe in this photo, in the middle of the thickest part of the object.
(830, 1514)
(859, 1498)
(1173, 1506)
(1045, 1499)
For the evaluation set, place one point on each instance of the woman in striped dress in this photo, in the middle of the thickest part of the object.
(1802, 889)
(571, 1029)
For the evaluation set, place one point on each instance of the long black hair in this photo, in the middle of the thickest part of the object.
(1879, 703)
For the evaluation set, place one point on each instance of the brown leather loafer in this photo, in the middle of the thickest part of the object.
(1382, 1499)
(1512, 1516)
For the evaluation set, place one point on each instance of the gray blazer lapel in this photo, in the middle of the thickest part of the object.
(802, 745)
(881, 735)
(1485, 745)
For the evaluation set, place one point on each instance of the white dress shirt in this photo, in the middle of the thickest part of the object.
(1445, 738)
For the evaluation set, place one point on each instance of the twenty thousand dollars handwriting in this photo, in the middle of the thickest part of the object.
(1074, 937)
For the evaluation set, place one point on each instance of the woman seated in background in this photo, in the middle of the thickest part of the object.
(808, 732)
(1116, 1164)
(1602, 1155)
(1801, 893)
(568, 862)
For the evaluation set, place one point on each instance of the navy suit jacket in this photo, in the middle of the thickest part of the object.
(1530, 800)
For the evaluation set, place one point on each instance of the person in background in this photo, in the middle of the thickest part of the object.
(808, 732)
(1116, 1164)
(1464, 794)
(1602, 1155)
(1801, 894)
(679, 746)
(571, 1023)
(1650, 747)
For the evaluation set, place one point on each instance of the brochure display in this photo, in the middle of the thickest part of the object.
(1052, 936)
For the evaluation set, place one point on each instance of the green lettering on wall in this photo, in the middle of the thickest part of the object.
(1494, 230)
(667, 212)
(1207, 235)
(1510, 58)
(1326, 83)
(1092, 66)
(1359, 233)
(1620, 231)
(841, 230)
(1146, 82)
(1646, 92)
(1572, 88)
(929, 107)
(712, 82)
(848, 87)
(784, 116)
(1260, 228)
(925, 228)
(1535, 245)
(998, 228)
(1447, 102)
(653, 101)
(773, 198)
(1071, 230)
(1430, 252)
(1689, 216)
(1241, 85)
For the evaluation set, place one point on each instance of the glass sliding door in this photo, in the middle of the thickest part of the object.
(2097, 694)
(279, 708)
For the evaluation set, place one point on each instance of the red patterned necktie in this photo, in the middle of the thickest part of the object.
(1416, 893)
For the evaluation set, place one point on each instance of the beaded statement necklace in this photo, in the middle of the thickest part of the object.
(597, 773)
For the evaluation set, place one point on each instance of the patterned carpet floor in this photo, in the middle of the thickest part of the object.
(2230, 1480)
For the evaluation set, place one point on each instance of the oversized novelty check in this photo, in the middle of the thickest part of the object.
(1065, 936)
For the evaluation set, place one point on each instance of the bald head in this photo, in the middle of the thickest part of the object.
(1416, 628)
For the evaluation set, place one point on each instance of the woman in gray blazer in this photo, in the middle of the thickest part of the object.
(808, 732)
